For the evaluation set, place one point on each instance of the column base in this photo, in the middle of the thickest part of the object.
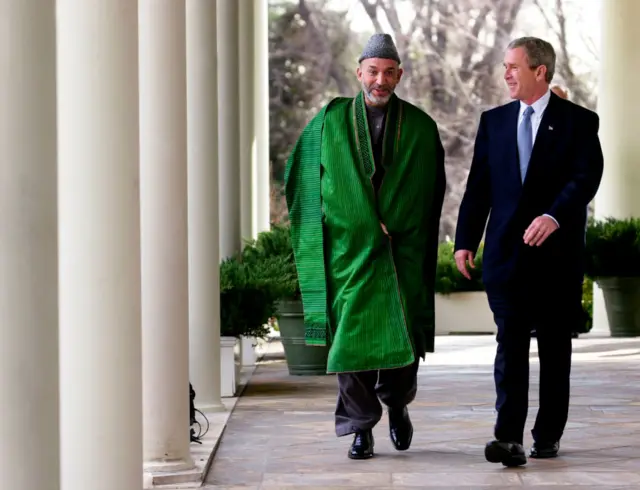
(169, 466)
(201, 454)
(211, 407)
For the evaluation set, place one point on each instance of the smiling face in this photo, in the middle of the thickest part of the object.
(524, 83)
(379, 77)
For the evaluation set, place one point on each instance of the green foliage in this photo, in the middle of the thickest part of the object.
(275, 245)
(265, 273)
(250, 287)
(613, 248)
(448, 278)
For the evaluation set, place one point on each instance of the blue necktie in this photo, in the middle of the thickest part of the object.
(525, 141)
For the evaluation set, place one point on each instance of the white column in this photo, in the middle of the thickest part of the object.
(618, 195)
(163, 214)
(247, 141)
(28, 247)
(100, 366)
(229, 127)
(204, 271)
(260, 155)
(247, 130)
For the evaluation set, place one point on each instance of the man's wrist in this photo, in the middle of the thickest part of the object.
(555, 220)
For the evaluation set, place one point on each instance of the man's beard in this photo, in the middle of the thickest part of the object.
(374, 99)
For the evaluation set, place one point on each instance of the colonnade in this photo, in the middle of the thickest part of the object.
(133, 156)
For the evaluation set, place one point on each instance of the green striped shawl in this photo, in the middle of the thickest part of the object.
(370, 294)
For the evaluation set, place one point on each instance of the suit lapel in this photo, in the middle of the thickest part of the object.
(511, 147)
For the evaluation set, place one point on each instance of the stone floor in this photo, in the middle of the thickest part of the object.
(280, 435)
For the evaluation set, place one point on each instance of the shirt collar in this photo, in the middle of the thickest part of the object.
(376, 111)
(539, 105)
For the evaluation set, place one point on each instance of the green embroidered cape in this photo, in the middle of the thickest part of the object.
(369, 293)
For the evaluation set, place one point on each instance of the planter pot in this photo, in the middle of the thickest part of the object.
(302, 360)
(228, 370)
(249, 356)
(464, 313)
(622, 302)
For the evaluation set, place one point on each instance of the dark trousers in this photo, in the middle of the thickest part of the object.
(511, 373)
(360, 393)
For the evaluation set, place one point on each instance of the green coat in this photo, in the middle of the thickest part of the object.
(371, 295)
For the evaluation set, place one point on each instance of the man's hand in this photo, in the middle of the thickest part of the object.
(462, 257)
(539, 230)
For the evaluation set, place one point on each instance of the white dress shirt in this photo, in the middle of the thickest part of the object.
(539, 106)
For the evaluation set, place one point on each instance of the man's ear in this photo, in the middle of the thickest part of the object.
(400, 72)
(359, 73)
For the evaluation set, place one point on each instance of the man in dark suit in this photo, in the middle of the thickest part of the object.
(537, 164)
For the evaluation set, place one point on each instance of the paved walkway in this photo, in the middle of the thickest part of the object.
(281, 433)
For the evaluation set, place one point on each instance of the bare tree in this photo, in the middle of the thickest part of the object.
(307, 43)
(452, 53)
(579, 86)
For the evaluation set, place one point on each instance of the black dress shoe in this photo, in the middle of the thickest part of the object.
(400, 428)
(510, 454)
(362, 447)
(541, 450)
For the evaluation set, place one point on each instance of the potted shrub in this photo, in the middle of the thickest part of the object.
(587, 305)
(248, 294)
(613, 262)
(301, 358)
(461, 304)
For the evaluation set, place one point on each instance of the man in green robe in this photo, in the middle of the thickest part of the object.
(364, 186)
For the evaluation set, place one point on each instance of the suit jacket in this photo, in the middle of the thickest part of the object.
(563, 176)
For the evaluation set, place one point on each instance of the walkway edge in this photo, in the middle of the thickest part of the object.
(204, 453)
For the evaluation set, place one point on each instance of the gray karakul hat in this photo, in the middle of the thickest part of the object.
(380, 46)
